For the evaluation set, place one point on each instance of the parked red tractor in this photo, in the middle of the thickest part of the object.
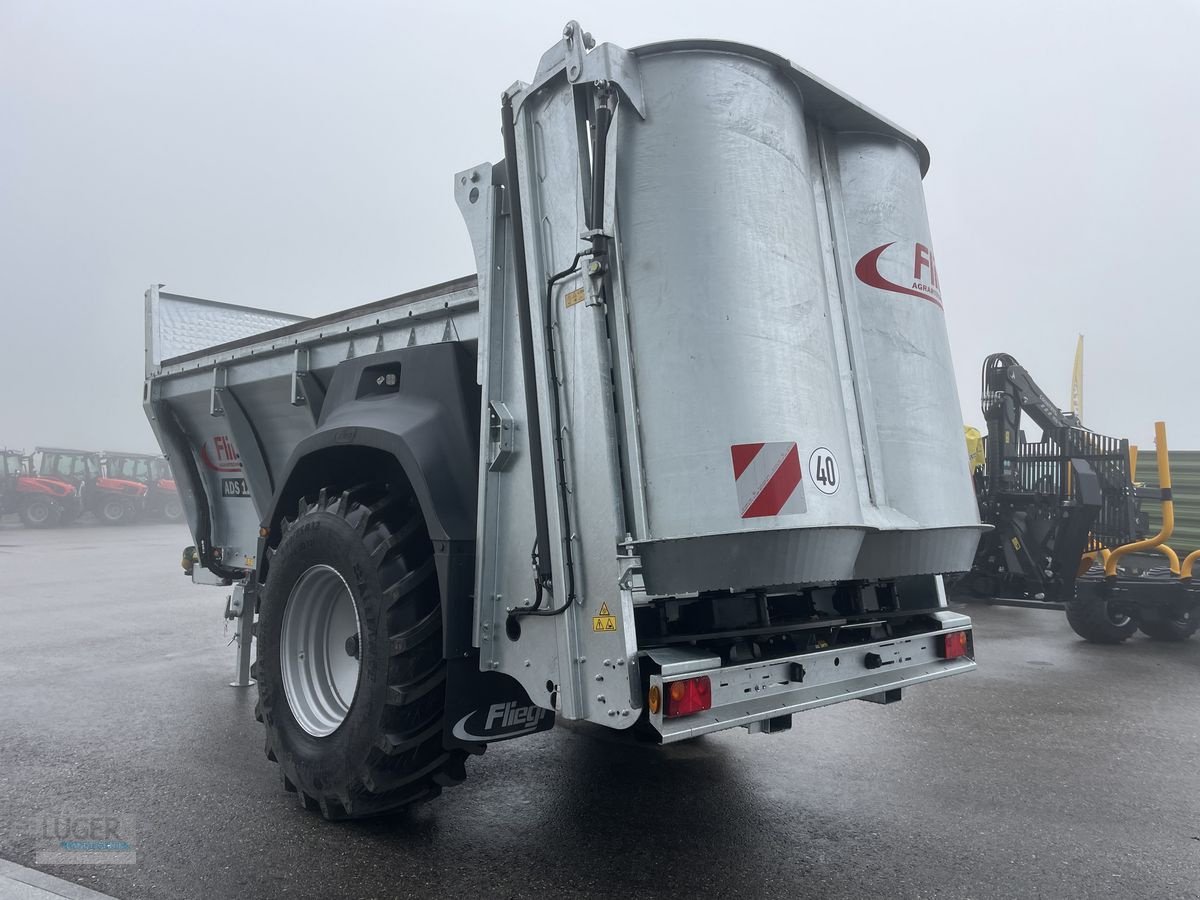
(40, 502)
(113, 501)
(162, 497)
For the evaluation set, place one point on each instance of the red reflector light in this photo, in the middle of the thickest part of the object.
(688, 696)
(954, 645)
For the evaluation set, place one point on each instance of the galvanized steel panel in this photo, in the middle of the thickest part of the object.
(764, 280)
(732, 333)
(183, 325)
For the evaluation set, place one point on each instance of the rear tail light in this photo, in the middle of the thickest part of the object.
(691, 695)
(954, 645)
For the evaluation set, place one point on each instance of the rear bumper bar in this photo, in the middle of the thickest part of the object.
(743, 695)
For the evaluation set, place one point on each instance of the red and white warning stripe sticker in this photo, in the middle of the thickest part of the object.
(768, 479)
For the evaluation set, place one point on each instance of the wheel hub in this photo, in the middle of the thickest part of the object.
(1116, 617)
(320, 627)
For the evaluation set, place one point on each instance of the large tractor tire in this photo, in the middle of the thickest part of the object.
(112, 511)
(1093, 621)
(351, 678)
(40, 512)
(1169, 624)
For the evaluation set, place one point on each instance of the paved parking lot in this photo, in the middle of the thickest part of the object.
(1059, 769)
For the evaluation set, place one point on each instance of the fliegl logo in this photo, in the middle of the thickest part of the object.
(924, 281)
(223, 457)
(503, 720)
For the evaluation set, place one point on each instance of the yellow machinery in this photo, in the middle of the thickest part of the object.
(974, 447)
(1060, 506)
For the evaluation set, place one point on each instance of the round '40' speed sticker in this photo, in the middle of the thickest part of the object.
(823, 470)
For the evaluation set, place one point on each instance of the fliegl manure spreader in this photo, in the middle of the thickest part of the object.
(684, 454)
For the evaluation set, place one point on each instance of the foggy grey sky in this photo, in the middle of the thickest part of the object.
(299, 157)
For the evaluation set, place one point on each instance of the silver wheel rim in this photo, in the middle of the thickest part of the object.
(38, 512)
(319, 676)
(174, 510)
(114, 510)
(1116, 619)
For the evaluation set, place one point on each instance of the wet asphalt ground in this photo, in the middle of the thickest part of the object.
(1058, 769)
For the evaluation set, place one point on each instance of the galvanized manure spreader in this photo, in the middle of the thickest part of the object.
(683, 454)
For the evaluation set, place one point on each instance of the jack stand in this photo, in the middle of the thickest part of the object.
(240, 607)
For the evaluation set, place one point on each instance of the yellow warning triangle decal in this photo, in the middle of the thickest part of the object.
(604, 610)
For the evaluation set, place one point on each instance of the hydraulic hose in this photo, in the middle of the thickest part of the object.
(560, 463)
(525, 326)
(541, 559)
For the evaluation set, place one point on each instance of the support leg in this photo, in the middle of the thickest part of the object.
(242, 603)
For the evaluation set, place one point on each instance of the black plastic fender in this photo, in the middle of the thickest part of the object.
(416, 409)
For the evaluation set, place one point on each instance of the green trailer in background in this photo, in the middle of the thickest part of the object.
(1185, 488)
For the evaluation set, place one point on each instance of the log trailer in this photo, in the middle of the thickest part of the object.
(683, 455)
(1068, 532)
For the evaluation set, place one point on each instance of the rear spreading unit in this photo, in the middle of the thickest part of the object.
(685, 453)
(742, 370)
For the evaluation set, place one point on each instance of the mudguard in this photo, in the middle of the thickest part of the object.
(486, 707)
(420, 406)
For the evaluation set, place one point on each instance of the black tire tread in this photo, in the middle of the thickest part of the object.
(1089, 619)
(411, 691)
(418, 633)
(394, 744)
(408, 763)
(1165, 626)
